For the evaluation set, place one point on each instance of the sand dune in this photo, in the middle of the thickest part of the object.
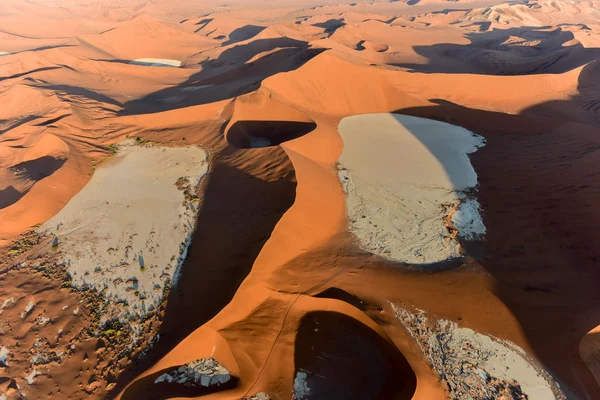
(283, 284)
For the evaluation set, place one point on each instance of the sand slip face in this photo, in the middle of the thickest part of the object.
(405, 179)
(157, 62)
(126, 233)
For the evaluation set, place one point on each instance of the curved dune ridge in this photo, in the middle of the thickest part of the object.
(128, 230)
(405, 180)
(252, 124)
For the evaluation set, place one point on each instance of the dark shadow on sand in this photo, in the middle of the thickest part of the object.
(237, 216)
(495, 52)
(33, 71)
(32, 170)
(254, 134)
(338, 358)
(331, 25)
(243, 33)
(539, 186)
(230, 75)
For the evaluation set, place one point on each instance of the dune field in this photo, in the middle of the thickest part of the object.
(300, 199)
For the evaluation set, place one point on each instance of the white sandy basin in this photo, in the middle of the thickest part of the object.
(126, 233)
(404, 177)
(473, 361)
(157, 62)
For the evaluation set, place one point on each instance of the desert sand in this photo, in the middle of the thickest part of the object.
(288, 118)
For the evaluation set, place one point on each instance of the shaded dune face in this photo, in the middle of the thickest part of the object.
(337, 357)
(224, 246)
(589, 350)
(28, 173)
(514, 51)
(253, 134)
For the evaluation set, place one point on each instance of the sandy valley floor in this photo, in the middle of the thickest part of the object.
(300, 199)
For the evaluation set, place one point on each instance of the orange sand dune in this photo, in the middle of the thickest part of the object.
(275, 286)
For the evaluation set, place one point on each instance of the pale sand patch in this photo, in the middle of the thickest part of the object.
(476, 365)
(3, 53)
(157, 62)
(194, 88)
(403, 176)
(126, 233)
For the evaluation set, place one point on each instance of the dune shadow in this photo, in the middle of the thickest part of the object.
(236, 218)
(483, 26)
(233, 73)
(539, 181)
(52, 120)
(42, 48)
(331, 25)
(77, 91)
(243, 33)
(37, 169)
(33, 71)
(32, 170)
(254, 134)
(20, 122)
(202, 24)
(9, 196)
(337, 357)
(226, 242)
(512, 51)
(342, 295)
